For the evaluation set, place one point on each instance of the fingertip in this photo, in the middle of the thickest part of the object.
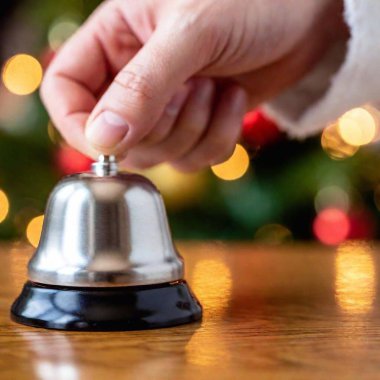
(107, 132)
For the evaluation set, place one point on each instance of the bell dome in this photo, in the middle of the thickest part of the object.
(105, 230)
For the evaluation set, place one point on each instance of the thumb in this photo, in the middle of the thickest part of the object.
(136, 98)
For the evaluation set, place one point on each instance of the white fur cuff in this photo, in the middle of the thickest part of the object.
(333, 87)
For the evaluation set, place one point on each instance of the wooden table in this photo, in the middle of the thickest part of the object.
(293, 312)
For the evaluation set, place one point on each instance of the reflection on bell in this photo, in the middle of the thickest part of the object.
(106, 260)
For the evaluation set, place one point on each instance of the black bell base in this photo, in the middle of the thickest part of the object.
(106, 309)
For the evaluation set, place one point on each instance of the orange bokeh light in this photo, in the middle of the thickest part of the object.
(235, 167)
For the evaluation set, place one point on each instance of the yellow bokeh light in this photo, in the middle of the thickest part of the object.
(334, 146)
(178, 189)
(53, 133)
(355, 277)
(60, 31)
(273, 234)
(207, 348)
(212, 282)
(34, 229)
(22, 74)
(357, 127)
(4, 206)
(235, 167)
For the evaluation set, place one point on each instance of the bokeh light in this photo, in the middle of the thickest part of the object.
(273, 234)
(34, 229)
(178, 189)
(362, 224)
(4, 206)
(70, 161)
(259, 129)
(355, 281)
(212, 282)
(54, 135)
(211, 279)
(357, 127)
(332, 196)
(235, 167)
(60, 31)
(22, 74)
(331, 226)
(334, 146)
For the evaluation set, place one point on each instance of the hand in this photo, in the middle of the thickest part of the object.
(170, 80)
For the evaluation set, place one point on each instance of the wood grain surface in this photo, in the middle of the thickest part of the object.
(291, 312)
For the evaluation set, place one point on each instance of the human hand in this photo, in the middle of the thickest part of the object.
(168, 80)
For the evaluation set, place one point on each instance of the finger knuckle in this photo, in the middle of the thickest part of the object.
(138, 87)
(196, 20)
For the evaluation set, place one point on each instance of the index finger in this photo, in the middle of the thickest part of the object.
(83, 68)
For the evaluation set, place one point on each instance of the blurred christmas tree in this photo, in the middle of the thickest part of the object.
(272, 189)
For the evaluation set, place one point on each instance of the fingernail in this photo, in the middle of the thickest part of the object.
(107, 130)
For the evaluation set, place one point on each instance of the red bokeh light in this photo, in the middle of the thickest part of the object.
(259, 130)
(70, 161)
(362, 225)
(331, 226)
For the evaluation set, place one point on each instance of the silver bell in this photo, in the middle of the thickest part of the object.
(106, 231)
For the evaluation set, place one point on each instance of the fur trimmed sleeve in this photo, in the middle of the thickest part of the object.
(347, 77)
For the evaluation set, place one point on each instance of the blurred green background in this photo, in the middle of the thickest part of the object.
(273, 189)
